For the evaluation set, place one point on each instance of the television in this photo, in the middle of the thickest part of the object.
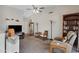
(17, 28)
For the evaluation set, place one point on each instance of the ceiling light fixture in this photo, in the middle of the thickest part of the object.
(35, 11)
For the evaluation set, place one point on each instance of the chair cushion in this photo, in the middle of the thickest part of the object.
(69, 39)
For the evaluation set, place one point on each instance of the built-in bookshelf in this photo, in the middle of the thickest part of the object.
(71, 23)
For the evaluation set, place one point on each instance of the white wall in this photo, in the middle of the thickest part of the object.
(44, 19)
(26, 26)
(9, 12)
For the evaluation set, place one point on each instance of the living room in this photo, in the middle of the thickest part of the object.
(45, 18)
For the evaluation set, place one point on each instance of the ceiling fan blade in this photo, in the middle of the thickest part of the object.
(33, 6)
(40, 11)
(42, 8)
(28, 9)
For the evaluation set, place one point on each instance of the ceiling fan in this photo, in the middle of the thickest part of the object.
(36, 9)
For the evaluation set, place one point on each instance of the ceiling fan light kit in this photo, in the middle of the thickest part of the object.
(35, 9)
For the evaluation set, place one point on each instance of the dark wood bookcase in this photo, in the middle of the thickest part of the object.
(71, 23)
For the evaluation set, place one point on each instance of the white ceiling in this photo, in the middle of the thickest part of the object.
(24, 7)
(28, 13)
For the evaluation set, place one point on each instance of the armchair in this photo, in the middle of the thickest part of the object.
(67, 43)
(37, 34)
(44, 36)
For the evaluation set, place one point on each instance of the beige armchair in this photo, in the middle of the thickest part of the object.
(44, 36)
(65, 45)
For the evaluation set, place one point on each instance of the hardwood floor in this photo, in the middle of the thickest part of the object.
(33, 45)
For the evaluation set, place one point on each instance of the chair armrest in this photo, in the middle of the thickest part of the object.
(68, 48)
